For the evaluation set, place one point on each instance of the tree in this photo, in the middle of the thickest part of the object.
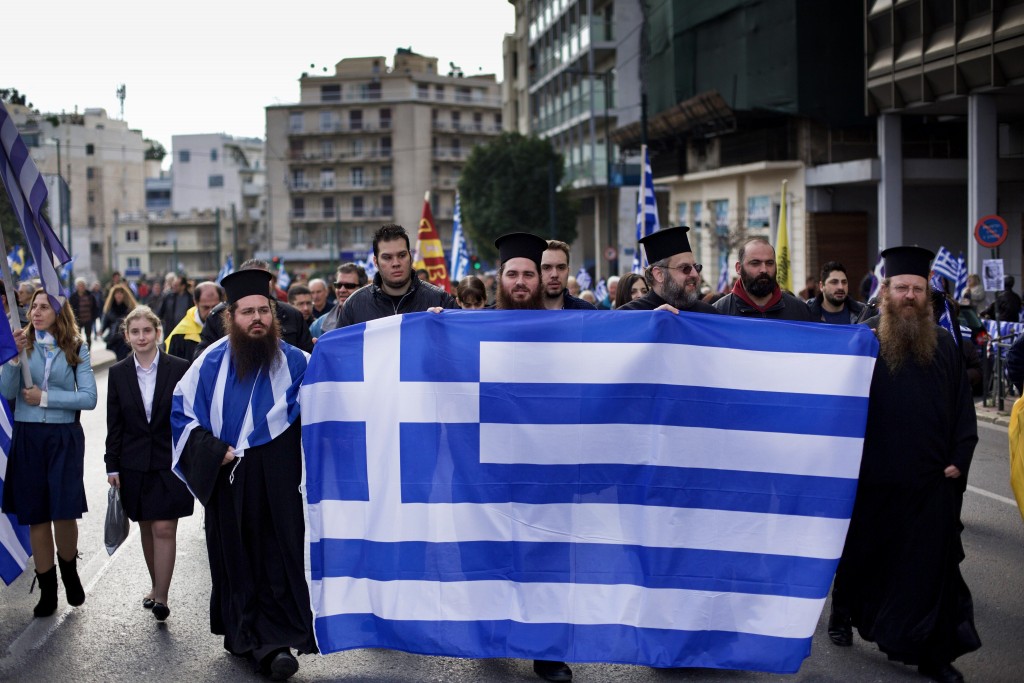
(154, 150)
(506, 186)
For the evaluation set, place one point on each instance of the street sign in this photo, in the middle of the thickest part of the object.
(990, 231)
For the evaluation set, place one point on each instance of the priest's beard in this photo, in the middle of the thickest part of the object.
(676, 294)
(252, 354)
(906, 330)
(505, 302)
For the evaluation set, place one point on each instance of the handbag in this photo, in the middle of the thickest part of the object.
(115, 530)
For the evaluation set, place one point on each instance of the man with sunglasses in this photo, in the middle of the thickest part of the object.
(348, 279)
(674, 275)
(756, 293)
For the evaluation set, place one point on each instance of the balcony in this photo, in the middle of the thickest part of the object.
(450, 153)
(381, 214)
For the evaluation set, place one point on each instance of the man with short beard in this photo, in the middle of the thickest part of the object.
(756, 293)
(675, 275)
(833, 304)
(554, 270)
(899, 579)
(237, 444)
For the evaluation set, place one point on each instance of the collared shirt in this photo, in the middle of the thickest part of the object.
(147, 383)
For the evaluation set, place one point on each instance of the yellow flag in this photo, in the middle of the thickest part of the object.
(1017, 453)
(782, 246)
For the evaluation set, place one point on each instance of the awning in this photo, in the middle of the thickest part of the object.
(704, 115)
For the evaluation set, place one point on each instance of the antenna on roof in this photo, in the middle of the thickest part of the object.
(121, 94)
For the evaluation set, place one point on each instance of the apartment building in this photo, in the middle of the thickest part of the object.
(362, 146)
(103, 163)
(572, 75)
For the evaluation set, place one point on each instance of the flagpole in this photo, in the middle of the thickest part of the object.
(12, 306)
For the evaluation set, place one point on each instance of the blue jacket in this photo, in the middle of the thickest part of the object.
(62, 398)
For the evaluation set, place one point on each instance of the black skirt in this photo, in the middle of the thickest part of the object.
(44, 472)
(155, 495)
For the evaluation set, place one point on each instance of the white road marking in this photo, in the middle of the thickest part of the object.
(993, 496)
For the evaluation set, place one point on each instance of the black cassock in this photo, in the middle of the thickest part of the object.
(254, 537)
(899, 577)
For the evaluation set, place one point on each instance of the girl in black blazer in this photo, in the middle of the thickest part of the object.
(138, 457)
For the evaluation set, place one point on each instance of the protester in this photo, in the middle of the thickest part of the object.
(85, 308)
(120, 302)
(321, 297)
(975, 294)
(555, 273)
(348, 279)
(674, 274)
(899, 579)
(300, 297)
(237, 431)
(187, 334)
(471, 293)
(833, 303)
(394, 290)
(138, 451)
(175, 303)
(44, 487)
(757, 293)
(631, 287)
(1007, 303)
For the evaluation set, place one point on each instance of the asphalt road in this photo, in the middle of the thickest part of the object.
(111, 638)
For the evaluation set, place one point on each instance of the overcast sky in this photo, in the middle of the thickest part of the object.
(212, 66)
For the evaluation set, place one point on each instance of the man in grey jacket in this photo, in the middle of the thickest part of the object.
(757, 293)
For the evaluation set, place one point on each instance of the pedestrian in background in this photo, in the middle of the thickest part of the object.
(44, 487)
(85, 309)
(140, 389)
(119, 303)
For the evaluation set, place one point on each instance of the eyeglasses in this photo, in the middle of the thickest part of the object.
(686, 268)
(346, 285)
(901, 290)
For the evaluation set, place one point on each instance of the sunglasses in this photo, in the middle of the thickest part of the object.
(686, 268)
(346, 285)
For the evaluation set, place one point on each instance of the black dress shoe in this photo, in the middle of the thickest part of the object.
(944, 673)
(840, 630)
(281, 665)
(147, 603)
(161, 611)
(552, 671)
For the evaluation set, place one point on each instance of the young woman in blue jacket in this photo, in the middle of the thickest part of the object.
(45, 487)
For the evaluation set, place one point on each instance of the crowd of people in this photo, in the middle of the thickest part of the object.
(202, 404)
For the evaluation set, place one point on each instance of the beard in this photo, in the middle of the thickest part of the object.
(835, 300)
(758, 285)
(677, 294)
(252, 354)
(505, 302)
(906, 330)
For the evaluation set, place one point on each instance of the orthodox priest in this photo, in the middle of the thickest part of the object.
(899, 578)
(675, 275)
(236, 432)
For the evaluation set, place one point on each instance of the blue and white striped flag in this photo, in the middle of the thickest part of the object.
(460, 252)
(601, 291)
(369, 265)
(583, 491)
(226, 269)
(945, 264)
(14, 544)
(723, 272)
(284, 280)
(242, 413)
(583, 279)
(877, 275)
(646, 212)
(27, 190)
(961, 277)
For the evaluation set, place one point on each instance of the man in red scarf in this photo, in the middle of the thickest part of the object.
(757, 293)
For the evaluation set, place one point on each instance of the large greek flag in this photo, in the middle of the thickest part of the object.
(14, 545)
(646, 488)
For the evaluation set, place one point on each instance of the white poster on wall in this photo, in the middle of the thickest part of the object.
(992, 274)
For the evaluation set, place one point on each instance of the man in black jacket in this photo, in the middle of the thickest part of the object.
(1007, 301)
(833, 303)
(757, 293)
(554, 271)
(395, 289)
(294, 329)
(675, 275)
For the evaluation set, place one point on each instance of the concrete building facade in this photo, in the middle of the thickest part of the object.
(362, 146)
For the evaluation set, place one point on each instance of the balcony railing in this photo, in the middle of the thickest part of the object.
(341, 214)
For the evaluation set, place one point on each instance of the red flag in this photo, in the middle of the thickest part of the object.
(429, 251)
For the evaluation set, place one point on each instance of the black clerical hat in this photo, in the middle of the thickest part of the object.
(911, 260)
(666, 243)
(521, 245)
(243, 283)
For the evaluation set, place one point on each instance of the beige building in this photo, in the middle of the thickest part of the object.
(360, 149)
(102, 162)
(188, 243)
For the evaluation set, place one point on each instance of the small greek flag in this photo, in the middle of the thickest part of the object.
(460, 252)
(227, 269)
(961, 278)
(646, 212)
(284, 280)
(583, 279)
(946, 265)
(14, 545)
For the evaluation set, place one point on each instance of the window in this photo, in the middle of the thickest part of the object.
(92, 221)
(456, 148)
(355, 119)
(373, 90)
(385, 146)
(356, 176)
(385, 175)
(358, 233)
(295, 122)
(357, 147)
(184, 156)
(298, 207)
(326, 149)
(91, 196)
(759, 212)
(327, 204)
(385, 119)
(90, 172)
(357, 206)
(422, 91)
(326, 178)
(296, 148)
(463, 94)
(478, 121)
(131, 235)
(216, 181)
(134, 263)
(90, 149)
(298, 179)
(720, 215)
(330, 93)
(213, 155)
(682, 214)
(386, 205)
(326, 122)
(456, 120)
(439, 92)
(497, 120)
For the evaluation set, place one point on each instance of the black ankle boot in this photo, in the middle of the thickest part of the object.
(72, 584)
(47, 593)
